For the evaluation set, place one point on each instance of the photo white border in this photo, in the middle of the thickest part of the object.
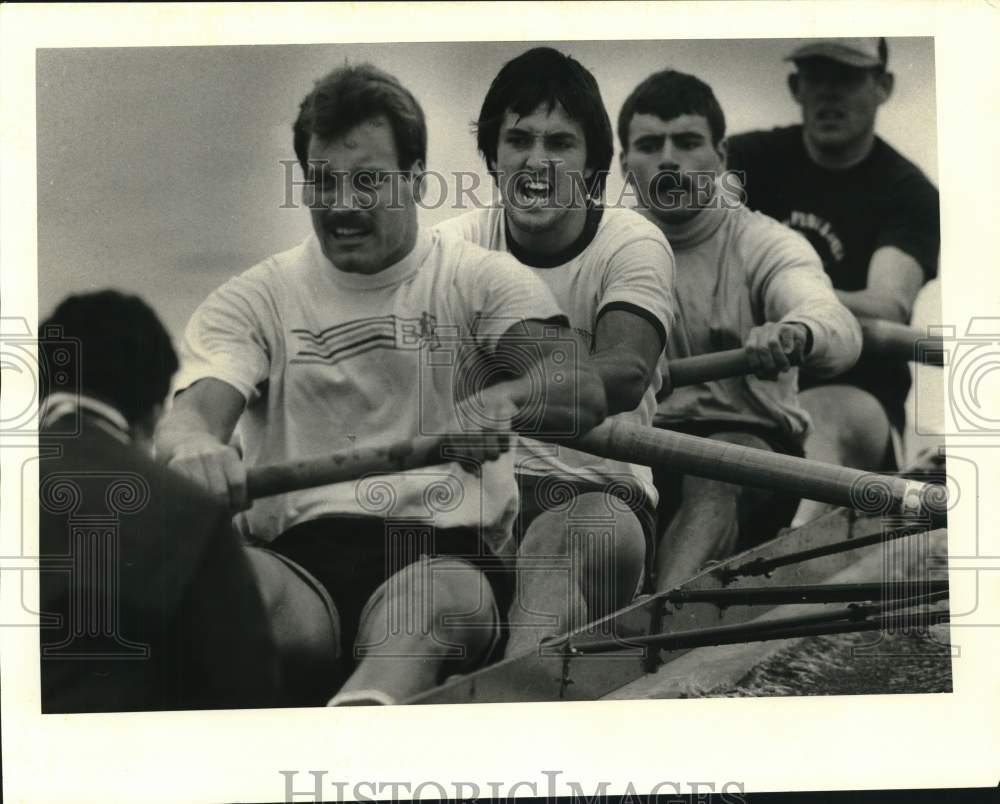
(774, 744)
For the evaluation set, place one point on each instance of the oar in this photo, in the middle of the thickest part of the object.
(357, 462)
(730, 463)
(630, 443)
(888, 340)
(705, 368)
(708, 367)
(883, 339)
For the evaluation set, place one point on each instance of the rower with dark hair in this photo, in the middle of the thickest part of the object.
(129, 360)
(546, 139)
(156, 603)
(743, 280)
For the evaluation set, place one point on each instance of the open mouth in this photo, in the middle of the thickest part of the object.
(829, 115)
(348, 231)
(532, 192)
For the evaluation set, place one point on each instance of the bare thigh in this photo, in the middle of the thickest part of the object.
(304, 623)
(850, 426)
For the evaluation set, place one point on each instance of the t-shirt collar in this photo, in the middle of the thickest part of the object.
(59, 404)
(595, 214)
(393, 275)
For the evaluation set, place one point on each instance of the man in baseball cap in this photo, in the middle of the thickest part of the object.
(864, 53)
(874, 219)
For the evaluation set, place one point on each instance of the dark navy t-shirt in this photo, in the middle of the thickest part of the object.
(847, 215)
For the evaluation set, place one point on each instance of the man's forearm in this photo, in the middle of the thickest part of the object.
(872, 304)
(204, 414)
(565, 407)
(624, 376)
(182, 427)
(836, 337)
(805, 296)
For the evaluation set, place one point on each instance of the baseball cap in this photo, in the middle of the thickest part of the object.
(861, 52)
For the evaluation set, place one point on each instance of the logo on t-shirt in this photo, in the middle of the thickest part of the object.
(811, 224)
(412, 333)
(353, 338)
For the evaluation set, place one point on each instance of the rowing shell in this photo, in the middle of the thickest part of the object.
(838, 558)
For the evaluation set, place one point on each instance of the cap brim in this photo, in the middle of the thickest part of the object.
(833, 52)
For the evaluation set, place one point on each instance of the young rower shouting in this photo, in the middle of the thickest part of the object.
(547, 141)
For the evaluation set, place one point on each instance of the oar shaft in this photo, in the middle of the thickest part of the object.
(343, 465)
(716, 460)
(888, 340)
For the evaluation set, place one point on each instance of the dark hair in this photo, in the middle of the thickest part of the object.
(669, 94)
(111, 346)
(353, 94)
(546, 76)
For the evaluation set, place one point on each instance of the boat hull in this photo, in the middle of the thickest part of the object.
(551, 675)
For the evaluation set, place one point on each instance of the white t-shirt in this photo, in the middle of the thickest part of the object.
(328, 359)
(737, 269)
(628, 263)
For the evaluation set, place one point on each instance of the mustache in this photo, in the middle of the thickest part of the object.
(671, 181)
(346, 219)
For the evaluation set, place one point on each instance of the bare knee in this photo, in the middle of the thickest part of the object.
(597, 526)
(852, 421)
(300, 616)
(547, 535)
(439, 607)
(304, 624)
(459, 588)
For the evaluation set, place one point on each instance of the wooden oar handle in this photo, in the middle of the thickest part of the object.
(730, 463)
(347, 464)
(706, 368)
(888, 340)
(883, 339)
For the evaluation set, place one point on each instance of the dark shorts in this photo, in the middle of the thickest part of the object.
(539, 493)
(351, 557)
(764, 514)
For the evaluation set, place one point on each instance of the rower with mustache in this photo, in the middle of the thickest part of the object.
(374, 331)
